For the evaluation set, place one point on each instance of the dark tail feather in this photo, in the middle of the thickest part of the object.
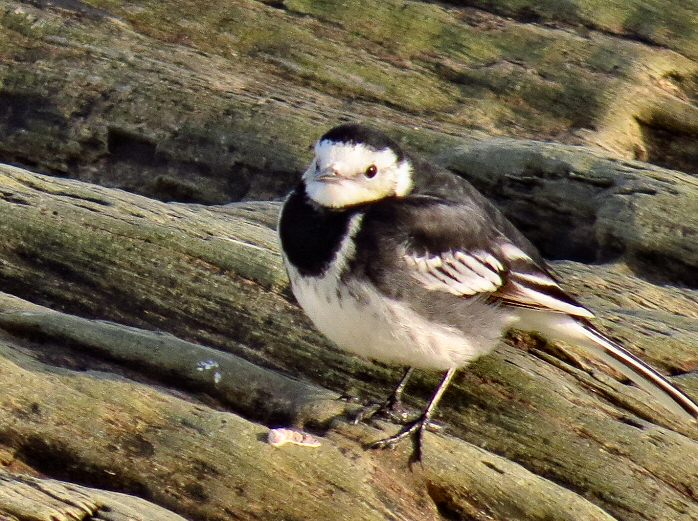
(639, 372)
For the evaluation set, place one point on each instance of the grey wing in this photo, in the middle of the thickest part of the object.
(503, 273)
(446, 185)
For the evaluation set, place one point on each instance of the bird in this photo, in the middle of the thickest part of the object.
(398, 260)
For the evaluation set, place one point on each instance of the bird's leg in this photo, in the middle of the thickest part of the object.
(392, 407)
(417, 427)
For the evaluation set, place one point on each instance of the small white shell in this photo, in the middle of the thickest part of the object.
(281, 436)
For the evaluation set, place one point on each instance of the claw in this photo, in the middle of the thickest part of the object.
(367, 413)
(415, 429)
(392, 408)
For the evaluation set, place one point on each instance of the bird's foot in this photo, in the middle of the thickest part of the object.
(392, 410)
(416, 430)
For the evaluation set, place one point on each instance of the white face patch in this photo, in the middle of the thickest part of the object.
(337, 176)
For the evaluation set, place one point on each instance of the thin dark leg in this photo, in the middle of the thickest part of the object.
(392, 407)
(417, 427)
(396, 398)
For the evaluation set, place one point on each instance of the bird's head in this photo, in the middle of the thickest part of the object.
(354, 165)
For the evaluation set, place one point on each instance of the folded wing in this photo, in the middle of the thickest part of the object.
(502, 272)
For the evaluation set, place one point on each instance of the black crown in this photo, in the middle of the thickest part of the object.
(352, 133)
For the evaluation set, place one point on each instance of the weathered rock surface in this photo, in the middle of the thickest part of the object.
(194, 108)
(25, 497)
(534, 431)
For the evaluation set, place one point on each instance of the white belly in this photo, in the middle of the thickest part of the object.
(360, 320)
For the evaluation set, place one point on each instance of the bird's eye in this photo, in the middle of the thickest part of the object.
(371, 171)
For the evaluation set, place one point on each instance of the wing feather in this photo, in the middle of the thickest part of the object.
(505, 274)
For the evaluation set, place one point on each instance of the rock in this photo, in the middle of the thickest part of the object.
(189, 457)
(24, 497)
(222, 105)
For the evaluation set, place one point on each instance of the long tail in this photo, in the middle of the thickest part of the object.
(639, 372)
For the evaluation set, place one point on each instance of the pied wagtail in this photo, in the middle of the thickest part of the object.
(398, 261)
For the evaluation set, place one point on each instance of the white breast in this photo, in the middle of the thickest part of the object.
(356, 317)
